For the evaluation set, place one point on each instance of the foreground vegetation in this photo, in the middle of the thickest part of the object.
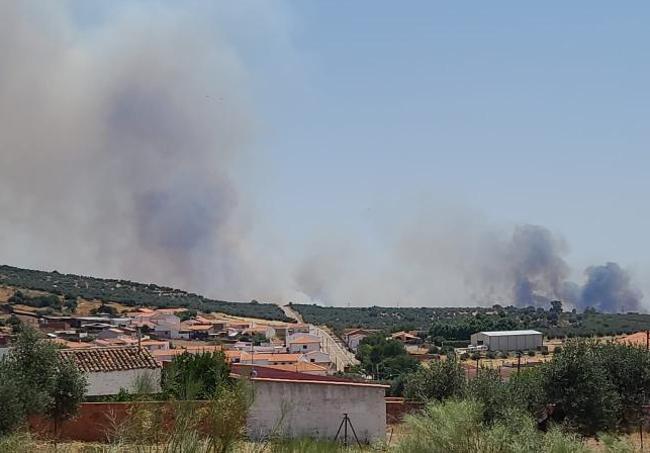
(64, 289)
(588, 389)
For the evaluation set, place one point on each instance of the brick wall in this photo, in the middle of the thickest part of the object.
(95, 422)
(397, 408)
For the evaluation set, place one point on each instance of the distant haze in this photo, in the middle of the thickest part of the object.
(120, 154)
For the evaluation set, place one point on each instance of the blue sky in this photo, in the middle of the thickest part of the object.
(370, 151)
(529, 113)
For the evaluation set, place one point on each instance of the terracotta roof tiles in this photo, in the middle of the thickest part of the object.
(94, 360)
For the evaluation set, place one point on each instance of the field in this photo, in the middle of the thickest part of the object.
(89, 291)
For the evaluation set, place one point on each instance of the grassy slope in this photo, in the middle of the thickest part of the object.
(129, 293)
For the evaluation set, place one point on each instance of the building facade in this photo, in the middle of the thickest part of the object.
(508, 340)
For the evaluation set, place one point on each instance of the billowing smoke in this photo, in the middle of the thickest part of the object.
(117, 143)
(120, 140)
(538, 269)
(608, 289)
(455, 259)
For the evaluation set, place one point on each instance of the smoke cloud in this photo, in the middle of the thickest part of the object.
(118, 149)
(117, 145)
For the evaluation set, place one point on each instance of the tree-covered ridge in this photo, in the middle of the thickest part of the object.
(458, 323)
(129, 293)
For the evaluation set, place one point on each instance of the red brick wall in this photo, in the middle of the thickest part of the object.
(95, 422)
(397, 408)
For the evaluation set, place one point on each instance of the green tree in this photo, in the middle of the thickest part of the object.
(11, 407)
(488, 389)
(33, 364)
(384, 358)
(68, 391)
(195, 376)
(581, 388)
(526, 389)
(438, 380)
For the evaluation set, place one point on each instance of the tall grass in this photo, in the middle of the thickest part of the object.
(457, 426)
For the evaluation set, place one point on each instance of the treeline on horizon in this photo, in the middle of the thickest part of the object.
(458, 323)
(125, 292)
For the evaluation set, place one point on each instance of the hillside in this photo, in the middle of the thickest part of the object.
(47, 289)
(459, 322)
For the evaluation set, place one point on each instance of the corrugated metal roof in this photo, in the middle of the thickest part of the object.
(508, 333)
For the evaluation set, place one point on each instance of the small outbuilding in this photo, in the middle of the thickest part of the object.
(508, 340)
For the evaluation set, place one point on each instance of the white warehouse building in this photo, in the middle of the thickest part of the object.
(508, 340)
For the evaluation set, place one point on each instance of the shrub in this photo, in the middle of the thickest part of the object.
(439, 380)
(195, 376)
(11, 408)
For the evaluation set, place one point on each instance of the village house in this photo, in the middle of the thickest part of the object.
(318, 357)
(406, 338)
(312, 406)
(108, 370)
(355, 336)
(268, 359)
(302, 343)
(166, 324)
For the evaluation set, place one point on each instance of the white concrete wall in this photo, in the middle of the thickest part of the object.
(509, 342)
(110, 383)
(295, 348)
(316, 410)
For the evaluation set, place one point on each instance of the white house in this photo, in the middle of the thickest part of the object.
(318, 357)
(353, 337)
(166, 324)
(296, 405)
(107, 370)
(303, 343)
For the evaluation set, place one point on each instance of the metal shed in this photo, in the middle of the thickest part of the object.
(509, 340)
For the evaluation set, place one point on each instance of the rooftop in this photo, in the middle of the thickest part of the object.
(110, 359)
(508, 333)
(263, 373)
(305, 339)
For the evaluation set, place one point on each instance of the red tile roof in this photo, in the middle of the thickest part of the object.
(263, 373)
(110, 359)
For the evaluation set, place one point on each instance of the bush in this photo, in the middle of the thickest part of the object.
(531, 353)
(439, 380)
(34, 380)
(195, 376)
(580, 386)
(11, 408)
(458, 427)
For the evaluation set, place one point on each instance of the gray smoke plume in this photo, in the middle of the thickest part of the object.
(608, 289)
(117, 144)
(455, 259)
(538, 269)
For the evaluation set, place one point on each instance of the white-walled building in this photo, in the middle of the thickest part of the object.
(508, 340)
(303, 343)
(313, 406)
(108, 370)
(166, 325)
